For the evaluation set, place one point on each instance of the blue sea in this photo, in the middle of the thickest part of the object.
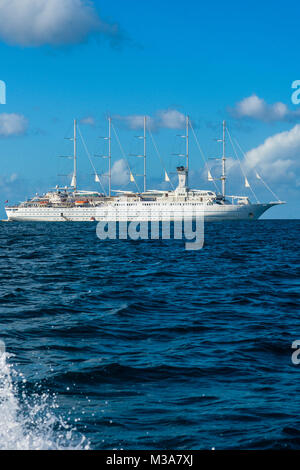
(123, 344)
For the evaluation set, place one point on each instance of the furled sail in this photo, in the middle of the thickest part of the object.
(73, 181)
(97, 179)
(132, 177)
(247, 185)
(209, 176)
(167, 177)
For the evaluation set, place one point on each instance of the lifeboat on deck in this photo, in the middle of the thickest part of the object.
(81, 203)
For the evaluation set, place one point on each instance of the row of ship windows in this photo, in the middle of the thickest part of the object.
(161, 204)
(31, 209)
(104, 211)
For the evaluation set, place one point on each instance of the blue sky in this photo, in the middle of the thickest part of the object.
(212, 60)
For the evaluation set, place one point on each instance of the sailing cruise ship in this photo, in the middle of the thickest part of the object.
(71, 204)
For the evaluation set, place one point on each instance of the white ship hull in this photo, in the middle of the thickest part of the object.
(140, 212)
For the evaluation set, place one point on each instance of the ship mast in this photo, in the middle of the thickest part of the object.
(109, 156)
(74, 179)
(145, 183)
(223, 178)
(187, 142)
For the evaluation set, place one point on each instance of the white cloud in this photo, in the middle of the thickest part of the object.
(171, 119)
(278, 157)
(163, 119)
(89, 121)
(12, 124)
(33, 23)
(256, 108)
(13, 177)
(134, 121)
(10, 185)
(119, 172)
(5, 181)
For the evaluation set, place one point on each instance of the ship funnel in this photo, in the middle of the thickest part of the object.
(182, 177)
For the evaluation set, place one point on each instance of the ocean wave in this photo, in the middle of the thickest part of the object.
(29, 422)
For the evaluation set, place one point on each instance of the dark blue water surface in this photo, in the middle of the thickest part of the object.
(142, 345)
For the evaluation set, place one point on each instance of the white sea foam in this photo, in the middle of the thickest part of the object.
(28, 421)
